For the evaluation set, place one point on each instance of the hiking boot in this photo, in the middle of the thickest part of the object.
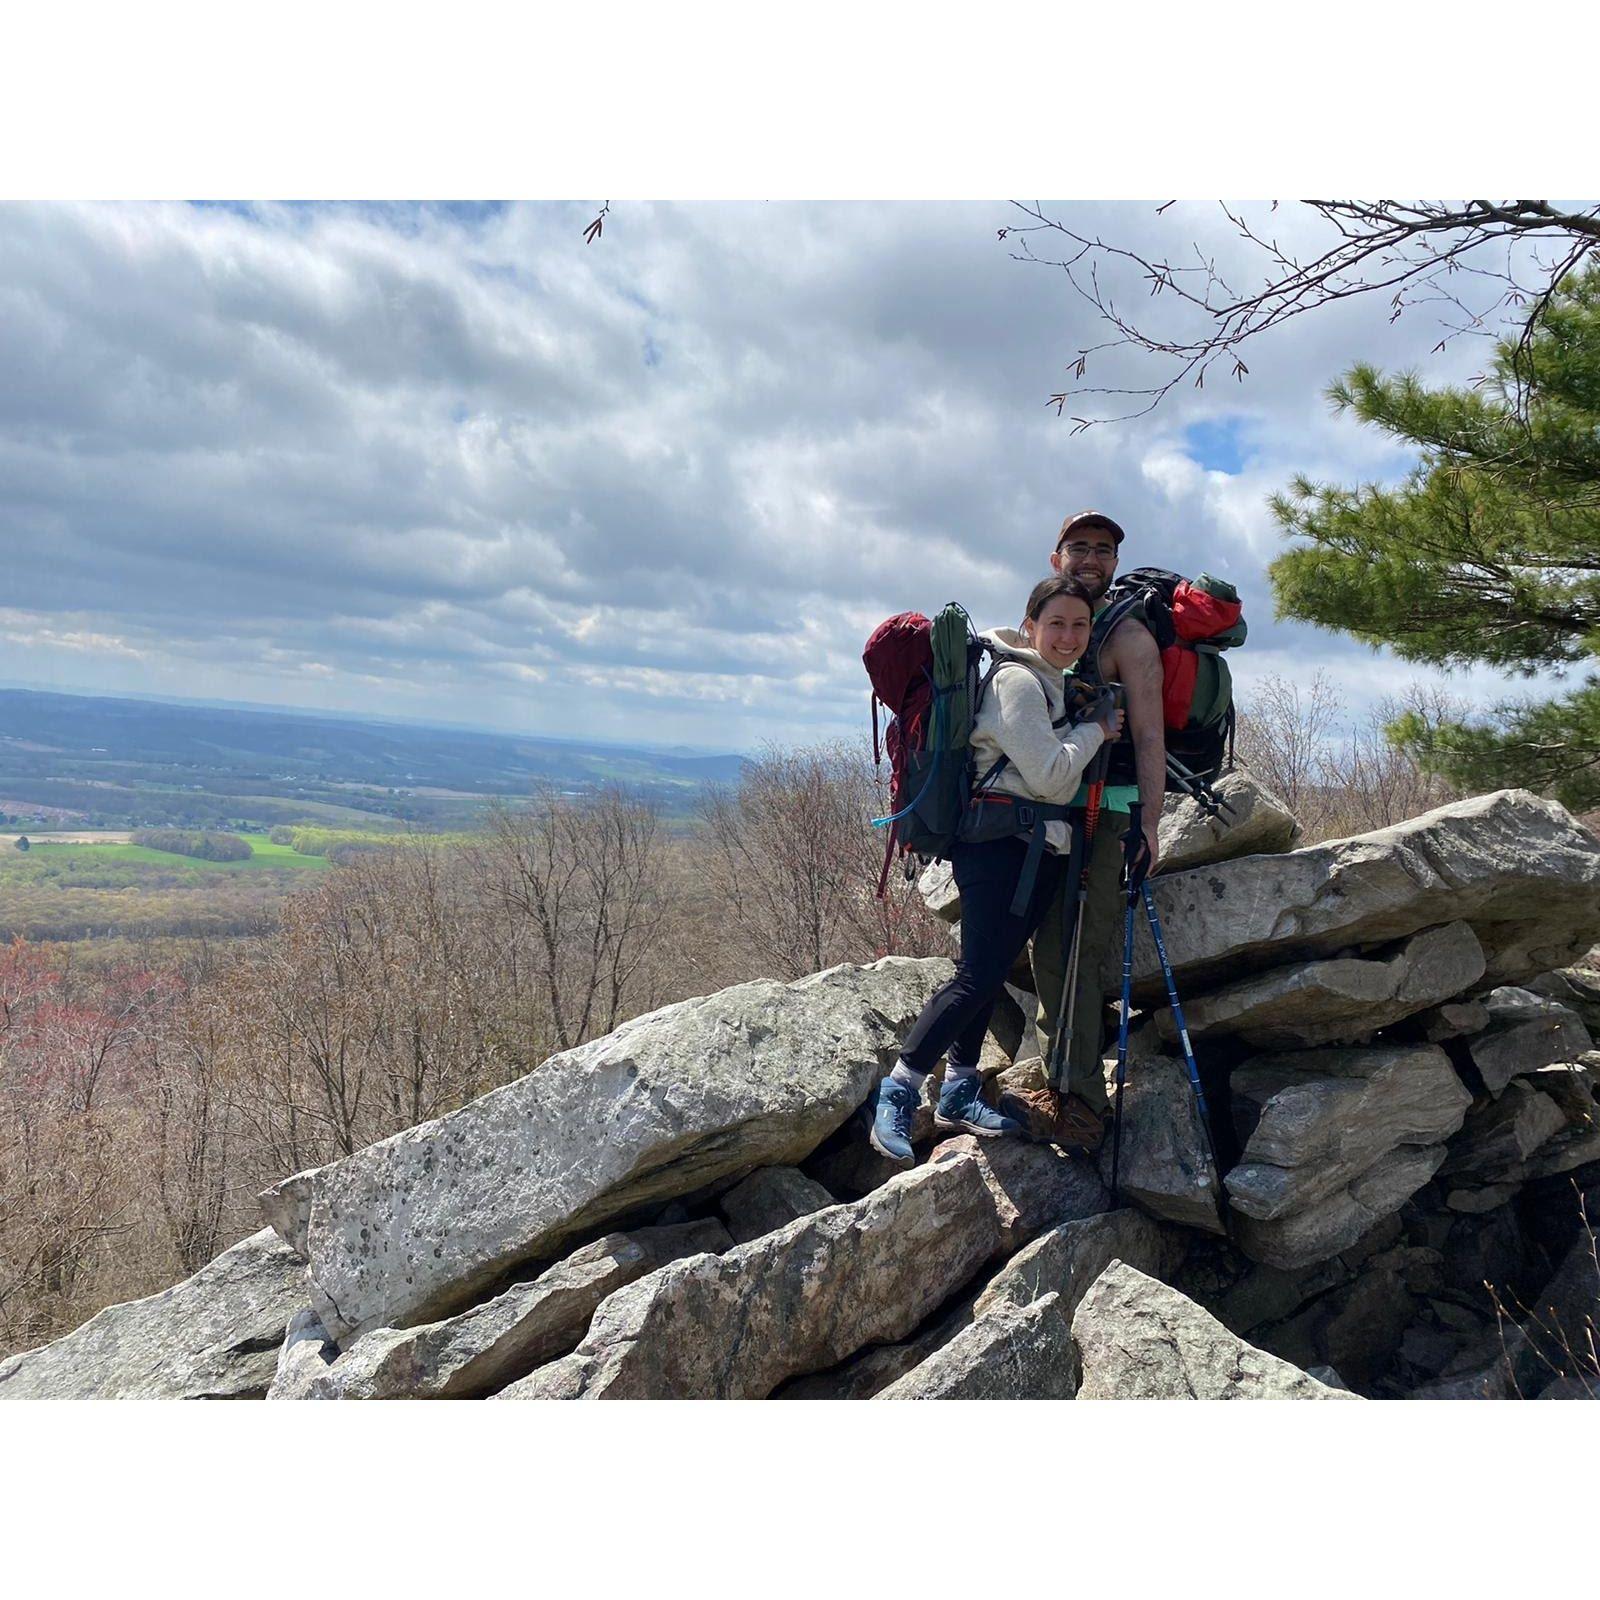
(891, 1121)
(961, 1109)
(1070, 1122)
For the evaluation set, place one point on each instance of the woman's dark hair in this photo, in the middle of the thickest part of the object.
(1053, 589)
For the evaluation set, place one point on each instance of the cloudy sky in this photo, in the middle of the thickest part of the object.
(454, 464)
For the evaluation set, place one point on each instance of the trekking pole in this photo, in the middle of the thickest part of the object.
(1122, 1044)
(1107, 701)
(1188, 1049)
(1135, 862)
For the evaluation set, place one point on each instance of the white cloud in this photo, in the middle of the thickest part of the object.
(389, 461)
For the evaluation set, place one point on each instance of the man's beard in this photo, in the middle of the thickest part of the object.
(1096, 585)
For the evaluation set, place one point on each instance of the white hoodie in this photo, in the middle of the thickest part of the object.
(1014, 720)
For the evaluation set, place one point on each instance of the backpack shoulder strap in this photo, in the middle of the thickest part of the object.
(1107, 623)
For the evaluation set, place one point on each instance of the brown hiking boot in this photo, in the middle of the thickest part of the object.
(1068, 1122)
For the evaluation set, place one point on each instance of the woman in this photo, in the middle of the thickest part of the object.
(1014, 739)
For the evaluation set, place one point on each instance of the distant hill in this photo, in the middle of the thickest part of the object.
(110, 762)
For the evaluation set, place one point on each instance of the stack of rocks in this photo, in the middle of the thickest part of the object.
(1395, 1034)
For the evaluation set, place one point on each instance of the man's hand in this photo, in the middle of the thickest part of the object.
(1152, 839)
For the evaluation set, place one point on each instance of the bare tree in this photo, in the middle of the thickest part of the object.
(796, 863)
(1480, 263)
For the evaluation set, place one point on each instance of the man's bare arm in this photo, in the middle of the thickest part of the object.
(1131, 656)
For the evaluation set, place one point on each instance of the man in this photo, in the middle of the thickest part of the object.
(1087, 548)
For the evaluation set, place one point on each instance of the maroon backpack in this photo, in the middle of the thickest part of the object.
(899, 663)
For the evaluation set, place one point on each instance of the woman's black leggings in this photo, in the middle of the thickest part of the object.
(957, 1014)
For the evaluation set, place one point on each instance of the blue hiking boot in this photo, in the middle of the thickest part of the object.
(961, 1110)
(891, 1121)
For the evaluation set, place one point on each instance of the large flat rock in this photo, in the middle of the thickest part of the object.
(214, 1336)
(1340, 1000)
(1520, 870)
(798, 1300)
(1016, 1352)
(1138, 1339)
(413, 1228)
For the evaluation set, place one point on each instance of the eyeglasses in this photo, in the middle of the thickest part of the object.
(1078, 550)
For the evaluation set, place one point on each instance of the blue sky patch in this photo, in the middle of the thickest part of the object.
(1218, 446)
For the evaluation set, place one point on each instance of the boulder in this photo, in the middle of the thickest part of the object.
(1327, 1116)
(306, 1355)
(767, 1199)
(1166, 1163)
(1452, 1020)
(801, 1299)
(1499, 1135)
(937, 886)
(1339, 1220)
(1520, 870)
(1031, 1186)
(1138, 1339)
(872, 1370)
(1067, 1259)
(214, 1336)
(1577, 988)
(1526, 1031)
(1344, 998)
(414, 1227)
(495, 1343)
(1257, 822)
(1016, 1352)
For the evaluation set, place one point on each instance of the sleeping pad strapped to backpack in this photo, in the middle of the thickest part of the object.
(1192, 621)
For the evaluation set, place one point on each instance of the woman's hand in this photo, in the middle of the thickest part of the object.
(1111, 725)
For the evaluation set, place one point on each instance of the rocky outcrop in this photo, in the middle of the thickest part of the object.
(1341, 999)
(214, 1336)
(1256, 822)
(417, 1225)
(1138, 1339)
(1519, 870)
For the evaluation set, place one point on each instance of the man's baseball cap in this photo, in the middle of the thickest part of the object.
(1088, 519)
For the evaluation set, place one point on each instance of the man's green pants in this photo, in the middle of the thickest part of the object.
(1102, 943)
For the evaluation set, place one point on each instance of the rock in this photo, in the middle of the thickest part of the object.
(1327, 1116)
(1328, 1376)
(214, 1336)
(286, 1208)
(1525, 1032)
(1562, 1326)
(1520, 870)
(795, 1301)
(1138, 1339)
(1016, 1352)
(496, 1343)
(866, 1375)
(1166, 1164)
(1257, 823)
(769, 1198)
(414, 1227)
(1031, 1186)
(1067, 1259)
(1341, 999)
(1577, 1386)
(1577, 988)
(1499, 1135)
(1474, 1202)
(1452, 1020)
(937, 886)
(1337, 1221)
(306, 1355)
(847, 1166)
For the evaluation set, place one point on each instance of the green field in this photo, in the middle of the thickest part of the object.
(263, 854)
